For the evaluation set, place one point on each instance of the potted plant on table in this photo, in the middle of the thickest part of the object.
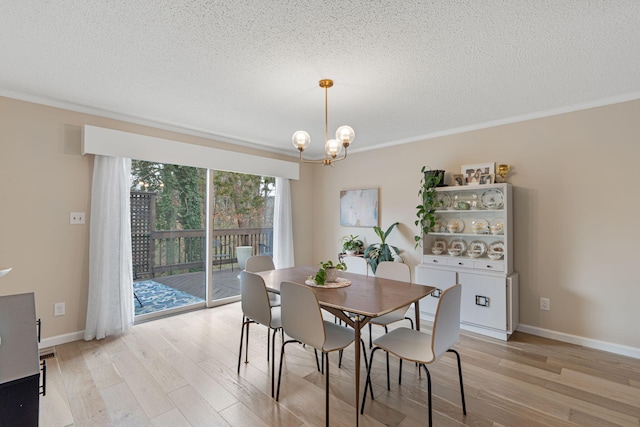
(328, 272)
(426, 210)
(351, 245)
(379, 252)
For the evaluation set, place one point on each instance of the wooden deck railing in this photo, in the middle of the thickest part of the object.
(184, 250)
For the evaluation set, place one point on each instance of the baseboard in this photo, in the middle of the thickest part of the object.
(61, 339)
(622, 350)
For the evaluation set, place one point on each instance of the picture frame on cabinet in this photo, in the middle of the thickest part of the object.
(486, 178)
(472, 172)
(458, 179)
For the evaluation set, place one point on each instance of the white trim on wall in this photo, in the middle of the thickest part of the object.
(622, 350)
(110, 142)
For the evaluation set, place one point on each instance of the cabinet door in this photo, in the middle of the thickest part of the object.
(441, 279)
(484, 300)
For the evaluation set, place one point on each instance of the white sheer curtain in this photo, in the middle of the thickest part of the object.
(282, 226)
(110, 309)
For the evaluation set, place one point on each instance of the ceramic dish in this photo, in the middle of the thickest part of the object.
(455, 225)
(439, 246)
(476, 249)
(443, 201)
(480, 226)
(496, 247)
(440, 225)
(492, 199)
(497, 226)
(458, 245)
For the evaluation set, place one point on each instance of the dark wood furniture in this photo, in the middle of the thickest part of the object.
(19, 361)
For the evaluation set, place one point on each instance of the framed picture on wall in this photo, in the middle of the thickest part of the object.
(458, 179)
(472, 172)
(359, 208)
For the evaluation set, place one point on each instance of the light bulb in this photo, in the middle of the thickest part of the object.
(346, 135)
(301, 140)
(333, 148)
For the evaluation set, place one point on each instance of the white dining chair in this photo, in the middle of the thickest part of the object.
(258, 263)
(424, 348)
(302, 321)
(257, 309)
(356, 265)
(394, 271)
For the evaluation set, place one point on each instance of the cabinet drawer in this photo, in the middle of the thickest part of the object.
(428, 259)
(489, 265)
(441, 279)
(460, 262)
(484, 300)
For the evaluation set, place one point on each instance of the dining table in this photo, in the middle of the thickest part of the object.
(363, 299)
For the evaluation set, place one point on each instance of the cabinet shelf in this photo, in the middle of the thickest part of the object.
(491, 282)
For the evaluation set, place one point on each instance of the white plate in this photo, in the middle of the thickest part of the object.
(496, 247)
(492, 199)
(458, 244)
(477, 249)
(439, 246)
(454, 221)
(440, 225)
(443, 201)
(480, 226)
(498, 226)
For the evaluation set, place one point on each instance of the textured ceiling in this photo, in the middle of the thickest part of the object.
(247, 71)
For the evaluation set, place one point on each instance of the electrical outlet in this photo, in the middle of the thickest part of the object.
(58, 309)
(545, 304)
(76, 218)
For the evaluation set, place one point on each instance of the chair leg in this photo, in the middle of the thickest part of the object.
(367, 384)
(273, 360)
(388, 382)
(241, 338)
(364, 351)
(246, 344)
(428, 394)
(339, 359)
(370, 339)
(464, 406)
(326, 394)
(410, 320)
(268, 343)
(317, 363)
(280, 369)
(400, 373)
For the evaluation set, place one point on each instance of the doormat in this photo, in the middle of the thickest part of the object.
(155, 296)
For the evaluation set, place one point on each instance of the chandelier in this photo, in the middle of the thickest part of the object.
(332, 147)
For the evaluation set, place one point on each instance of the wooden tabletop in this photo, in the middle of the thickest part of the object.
(367, 295)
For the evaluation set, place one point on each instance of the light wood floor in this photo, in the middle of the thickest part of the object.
(181, 371)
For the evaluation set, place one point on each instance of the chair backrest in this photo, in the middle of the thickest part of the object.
(255, 300)
(259, 263)
(446, 325)
(356, 265)
(300, 314)
(394, 271)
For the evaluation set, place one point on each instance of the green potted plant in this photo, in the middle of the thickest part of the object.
(351, 245)
(426, 210)
(328, 272)
(379, 252)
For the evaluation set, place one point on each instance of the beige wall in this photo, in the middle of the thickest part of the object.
(576, 209)
(43, 178)
(577, 204)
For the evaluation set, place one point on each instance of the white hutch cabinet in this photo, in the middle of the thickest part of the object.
(472, 244)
